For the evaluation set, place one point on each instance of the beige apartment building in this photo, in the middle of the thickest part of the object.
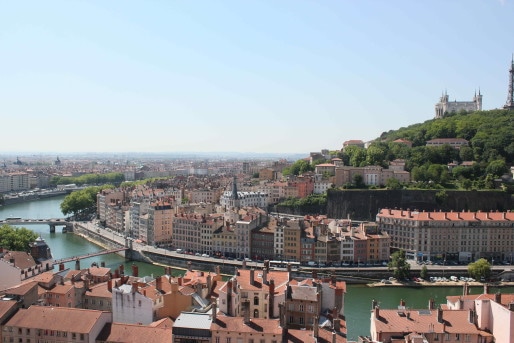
(464, 236)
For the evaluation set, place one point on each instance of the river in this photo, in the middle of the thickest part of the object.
(357, 301)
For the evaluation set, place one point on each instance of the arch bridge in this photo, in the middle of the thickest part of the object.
(52, 222)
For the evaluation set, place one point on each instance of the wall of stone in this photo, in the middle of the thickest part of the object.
(365, 204)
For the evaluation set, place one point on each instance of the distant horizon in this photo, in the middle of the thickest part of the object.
(150, 154)
(203, 75)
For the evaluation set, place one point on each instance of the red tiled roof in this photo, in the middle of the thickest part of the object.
(236, 324)
(453, 321)
(124, 333)
(56, 318)
(450, 216)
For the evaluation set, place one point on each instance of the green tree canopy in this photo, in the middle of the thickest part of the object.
(479, 269)
(89, 179)
(399, 265)
(297, 168)
(16, 239)
(82, 201)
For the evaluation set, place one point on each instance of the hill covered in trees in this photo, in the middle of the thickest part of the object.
(491, 150)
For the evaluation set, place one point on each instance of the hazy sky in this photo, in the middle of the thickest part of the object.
(243, 76)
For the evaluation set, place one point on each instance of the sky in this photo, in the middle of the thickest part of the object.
(286, 76)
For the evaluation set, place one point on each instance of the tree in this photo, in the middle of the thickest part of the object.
(81, 202)
(358, 181)
(297, 168)
(424, 272)
(497, 168)
(399, 265)
(16, 239)
(393, 183)
(255, 175)
(479, 269)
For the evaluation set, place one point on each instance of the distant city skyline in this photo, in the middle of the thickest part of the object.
(263, 77)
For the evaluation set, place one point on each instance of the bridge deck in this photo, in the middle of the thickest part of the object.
(93, 254)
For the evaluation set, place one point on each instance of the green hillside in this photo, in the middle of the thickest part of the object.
(491, 147)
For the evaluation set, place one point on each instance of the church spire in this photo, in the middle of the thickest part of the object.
(510, 98)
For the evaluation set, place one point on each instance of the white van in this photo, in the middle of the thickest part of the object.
(311, 263)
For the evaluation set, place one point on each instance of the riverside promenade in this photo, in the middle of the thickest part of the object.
(371, 275)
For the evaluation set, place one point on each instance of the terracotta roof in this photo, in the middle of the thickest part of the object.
(22, 259)
(98, 271)
(243, 279)
(324, 336)
(453, 321)
(56, 318)
(446, 216)
(21, 289)
(6, 306)
(236, 324)
(126, 333)
(99, 290)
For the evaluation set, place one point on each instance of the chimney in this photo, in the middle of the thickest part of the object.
(122, 269)
(373, 304)
(209, 283)
(511, 307)
(271, 302)
(246, 310)
(316, 327)
(218, 270)
(135, 270)
(465, 289)
(334, 337)
(265, 276)
(214, 309)
(134, 287)
(376, 310)
(289, 269)
(283, 321)
(116, 273)
(333, 278)
(337, 324)
(486, 288)
(102, 264)
(402, 302)
(431, 304)
(498, 297)
(439, 315)
(158, 283)
(314, 274)
(179, 280)
(252, 276)
(61, 266)
(471, 316)
(243, 265)
(189, 266)
(109, 285)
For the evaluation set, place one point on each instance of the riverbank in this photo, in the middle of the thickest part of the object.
(413, 284)
(371, 277)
